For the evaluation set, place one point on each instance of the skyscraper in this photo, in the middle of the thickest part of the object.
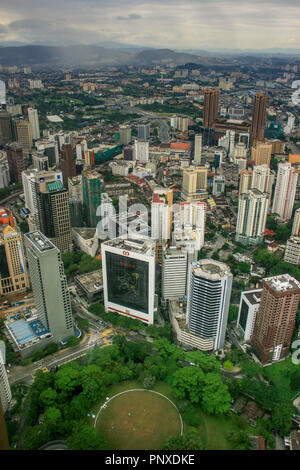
(5, 393)
(208, 297)
(261, 153)
(24, 135)
(67, 162)
(263, 179)
(252, 217)
(258, 118)
(49, 285)
(141, 150)
(34, 122)
(275, 319)
(285, 191)
(194, 183)
(13, 271)
(245, 181)
(129, 277)
(143, 131)
(174, 271)
(16, 164)
(125, 135)
(91, 191)
(211, 107)
(5, 127)
(197, 149)
(296, 224)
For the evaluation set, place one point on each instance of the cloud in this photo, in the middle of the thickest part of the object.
(192, 24)
(133, 16)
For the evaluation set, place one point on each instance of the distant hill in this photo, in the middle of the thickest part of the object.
(83, 56)
(150, 56)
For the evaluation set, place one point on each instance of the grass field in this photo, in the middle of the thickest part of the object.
(138, 419)
(280, 373)
(213, 430)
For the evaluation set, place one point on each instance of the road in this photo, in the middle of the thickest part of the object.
(164, 128)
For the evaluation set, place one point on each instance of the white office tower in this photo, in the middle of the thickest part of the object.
(292, 251)
(218, 185)
(174, 270)
(40, 161)
(33, 118)
(160, 218)
(288, 128)
(263, 179)
(208, 298)
(197, 149)
(141, 150)
(128, 268)
(227, 142)
(231, 144)
(31, 180)
(285, 191)
(296, 224)
(80, 149)
(249, 305)
(252, 217)
(189, 225)
(240, 150)
(49, 285)
(5, 393)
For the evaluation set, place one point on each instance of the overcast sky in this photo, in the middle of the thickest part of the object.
(177, 24)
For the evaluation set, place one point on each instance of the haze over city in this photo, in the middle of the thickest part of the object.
(194, 24)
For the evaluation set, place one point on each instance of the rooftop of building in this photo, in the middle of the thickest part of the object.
(210, 267)
(91, 282)
(253, 296)
(39, 241)
(86, 233)
(139, 245)
(282, 283)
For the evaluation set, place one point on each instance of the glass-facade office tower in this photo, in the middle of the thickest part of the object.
(49, 285)
(129, 277)
(208, 298)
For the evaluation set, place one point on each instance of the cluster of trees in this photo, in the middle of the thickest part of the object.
(78, 261)
(273, 265)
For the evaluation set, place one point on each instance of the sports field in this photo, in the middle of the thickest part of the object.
(138, 419)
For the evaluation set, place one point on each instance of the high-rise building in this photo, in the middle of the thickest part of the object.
(125, 135)
(275, 319)
(292, 251)
(161, 214)
(249, 305)
(174, 271)
(208, 298)
(129, 277)
(285, 191)
(49, 205)
(197, 149)
(5, 127)
(211, 107)
(5, 392)
(141, 150)
(49, 286)
(245, 181)
(13, 273)
(16, 164)
(194, 183)
(24, 135)
(91, 191)
(67, 162)
(296, 224)
(143, 131)
(252, 217)
(258, 118)
(261, 153)
(33, 118)
(263, 179)
(218, 185)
